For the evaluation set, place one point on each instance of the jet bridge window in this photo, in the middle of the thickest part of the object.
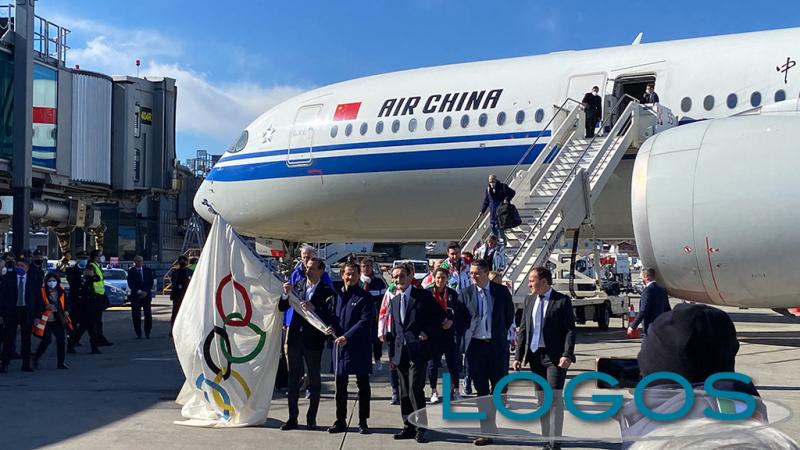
(520, 117)
(429, 124)
(482, 119)
(348, 130)
(686, 104)
(334, 131)
(379, 127)
(755, 99)
(708, 102)
(395, 126)
(732, 101)
(465, 121)
(364, 128)
(780, 95)
(501, 118)
(412, 125)
(539, 116)
(447, 122)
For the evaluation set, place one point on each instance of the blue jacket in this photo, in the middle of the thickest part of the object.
(653, 302)
(355, 318)
(140, 283)
(495, 197)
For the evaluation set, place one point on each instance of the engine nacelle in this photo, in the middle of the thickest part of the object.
(716, 210)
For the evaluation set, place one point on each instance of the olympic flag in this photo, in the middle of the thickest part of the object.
(228, 335)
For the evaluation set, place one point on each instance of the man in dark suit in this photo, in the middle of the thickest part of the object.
(653, 303)
(491, 310)
(414, 316)
(547, 343)
(140, 283)
(650, 95)
(497, 193)
(19, 300)
(354, 326)
(593, 108)
(304, 343)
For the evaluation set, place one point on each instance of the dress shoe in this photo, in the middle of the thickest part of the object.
(406, 433)
(338, 427)
(63, 366)
(311, 425)
(289, 425)
(420, 437)
(482, 441)
(363, 428)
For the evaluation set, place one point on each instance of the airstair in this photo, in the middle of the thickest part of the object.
(556, 192)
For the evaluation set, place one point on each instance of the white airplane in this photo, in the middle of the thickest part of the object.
(405, 156)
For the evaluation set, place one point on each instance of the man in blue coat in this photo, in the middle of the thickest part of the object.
(497, 193)
(140, 283)
(653, 303)
(352, 348)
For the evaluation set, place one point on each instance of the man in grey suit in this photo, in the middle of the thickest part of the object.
(491, 311)
(547, 343)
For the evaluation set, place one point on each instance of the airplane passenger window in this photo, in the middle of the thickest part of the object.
(334, 131)
(465, 121)
(363, 129)
(379, 127)
(501, 118)
(348, 130)
(755, 99)
(412, 125)
(482, 119)
(686, 104)
(539, 117)
(733, 100)
(708, 102)
(429, 124)
(780, 95)
(520, 117)
(447, 122)
(395, 126)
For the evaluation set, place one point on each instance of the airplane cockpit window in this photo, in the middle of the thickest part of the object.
(732, 101)
(379, 127)
(348, 130)
(482, 119)
(447, 122)
(520, 117)
(240, 143)
(465, 121)
(539, 116)
(755, 99)
(708, 102)
(429, 124)
(395, 126)
(364, 128)
(334, 131)
(686, 104)
(780, 95)
(412, 125)
(501, 118)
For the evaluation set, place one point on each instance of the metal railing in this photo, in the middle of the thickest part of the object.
(568, 179)
(49, 39)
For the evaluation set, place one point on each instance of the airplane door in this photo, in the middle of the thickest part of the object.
(301, 141)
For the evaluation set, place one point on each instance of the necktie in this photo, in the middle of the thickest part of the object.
(21, 292)
(403, 308)
(539, 321)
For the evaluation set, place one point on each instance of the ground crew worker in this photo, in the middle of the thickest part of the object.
(99, 300)
(54, 300)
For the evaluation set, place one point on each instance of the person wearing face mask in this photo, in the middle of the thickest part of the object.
(38, 262)
(84, 305)
(18, 308)
(593, 107)
(497, 193)
(53, 299)
(6, 266)
(99, 300)
(353, 324)
(650, 95)
(179, 278)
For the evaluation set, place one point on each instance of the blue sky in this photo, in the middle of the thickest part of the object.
(234, 60)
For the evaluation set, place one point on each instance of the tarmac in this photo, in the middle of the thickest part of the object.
(124, 398)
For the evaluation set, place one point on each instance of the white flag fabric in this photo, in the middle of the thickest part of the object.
(228, 335)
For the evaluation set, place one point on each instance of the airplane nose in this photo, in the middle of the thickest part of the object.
(203, 198)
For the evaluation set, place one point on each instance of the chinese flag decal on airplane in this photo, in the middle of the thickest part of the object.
(347, 111)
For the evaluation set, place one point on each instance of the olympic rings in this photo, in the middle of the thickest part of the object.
(225, 342)
(226, 350)
(238, 377)
(221, 397)
(248, 306)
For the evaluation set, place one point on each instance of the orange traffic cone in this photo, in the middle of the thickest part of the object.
(635, 333)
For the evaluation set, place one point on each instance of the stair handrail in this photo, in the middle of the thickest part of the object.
(567, 180)
(474, 225)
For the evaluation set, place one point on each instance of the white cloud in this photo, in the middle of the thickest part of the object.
(219, 110)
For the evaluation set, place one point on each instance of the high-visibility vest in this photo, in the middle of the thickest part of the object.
(99, 286)
(40, 324)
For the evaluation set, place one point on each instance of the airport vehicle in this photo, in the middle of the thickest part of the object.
(116, 283)
(401, 136)
(421, 267)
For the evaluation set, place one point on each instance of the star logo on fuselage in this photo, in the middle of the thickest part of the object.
(266, 136)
